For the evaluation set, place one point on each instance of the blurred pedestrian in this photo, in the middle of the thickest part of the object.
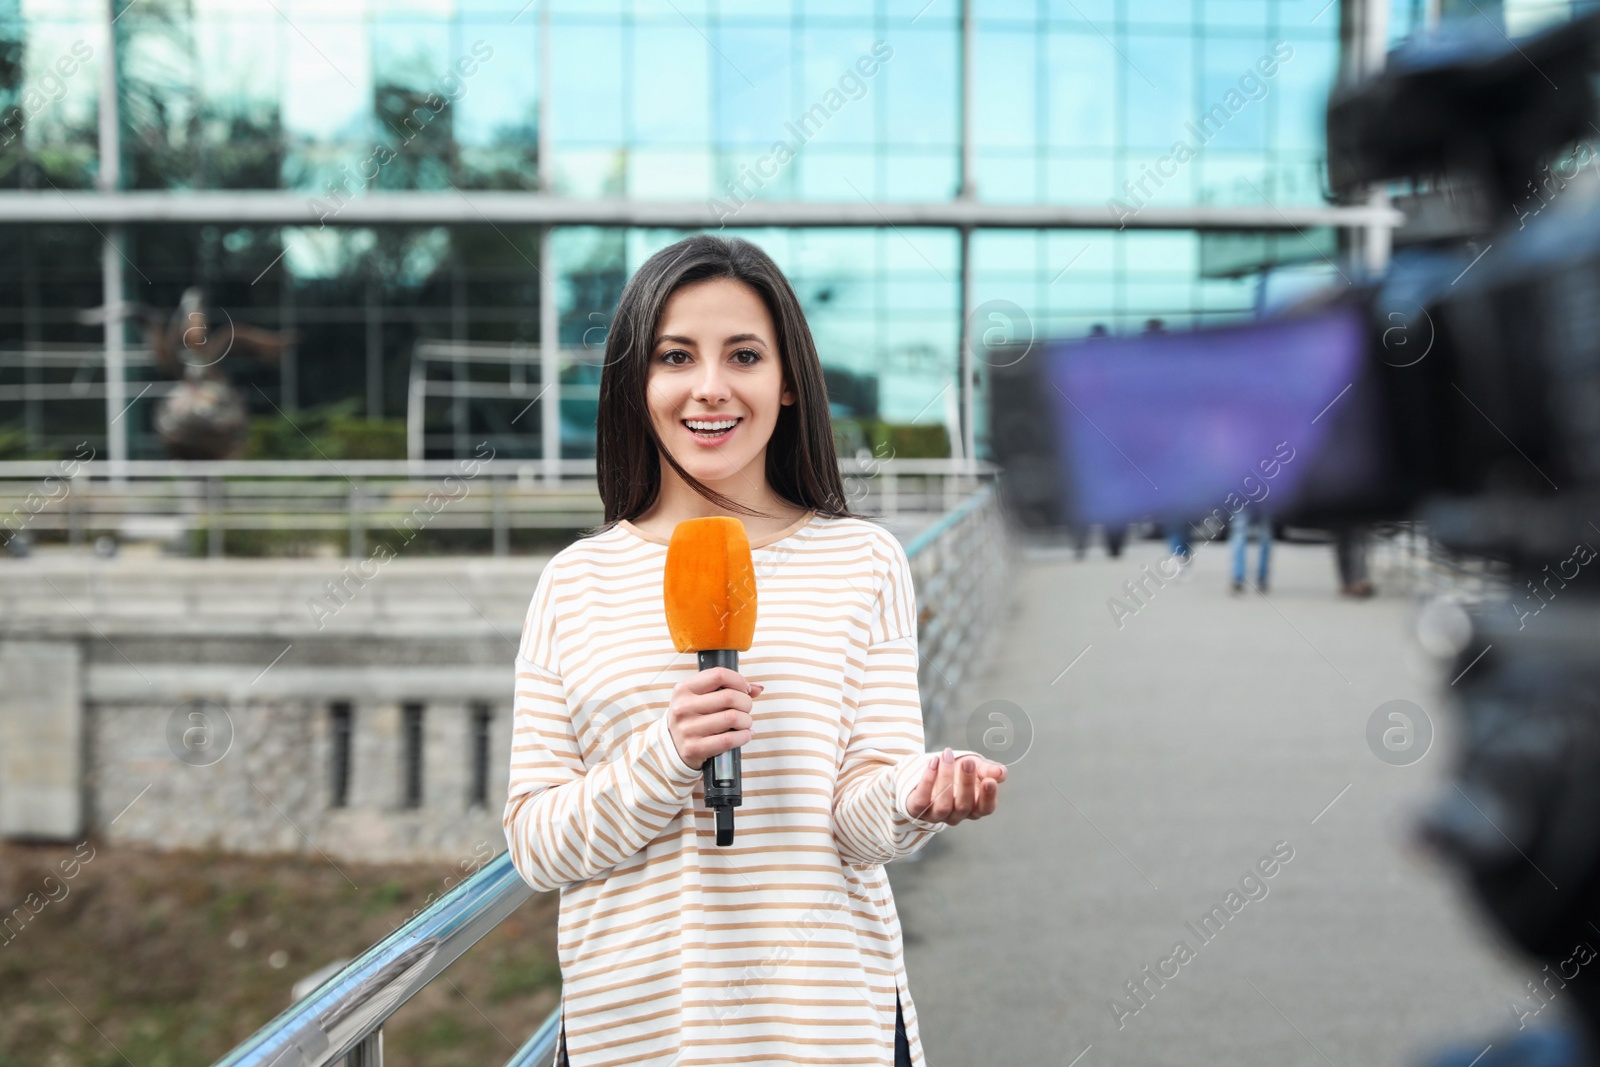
(1178, 544)
(1116, 536)
(1239, 543)
(1350, 550)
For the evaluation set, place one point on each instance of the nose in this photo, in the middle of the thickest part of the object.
(710, 385)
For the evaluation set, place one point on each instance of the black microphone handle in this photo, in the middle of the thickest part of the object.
(724, 785)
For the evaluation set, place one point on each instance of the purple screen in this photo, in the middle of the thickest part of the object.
(1167, 425)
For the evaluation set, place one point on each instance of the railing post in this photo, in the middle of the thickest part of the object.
(502, 532)
(416, 409)
(75, 509)
(367, 1054)
(214, 520)
(358, 529)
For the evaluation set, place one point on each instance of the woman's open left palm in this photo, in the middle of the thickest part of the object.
(953, 790)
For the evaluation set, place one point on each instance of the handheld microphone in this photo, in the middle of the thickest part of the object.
(710, 592)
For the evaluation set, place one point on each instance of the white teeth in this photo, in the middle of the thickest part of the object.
(724, 424)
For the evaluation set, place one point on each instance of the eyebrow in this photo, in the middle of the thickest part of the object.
(730, 340)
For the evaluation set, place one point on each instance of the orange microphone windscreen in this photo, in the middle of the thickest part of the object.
(710, 585)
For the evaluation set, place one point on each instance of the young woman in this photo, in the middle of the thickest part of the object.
(785, 947)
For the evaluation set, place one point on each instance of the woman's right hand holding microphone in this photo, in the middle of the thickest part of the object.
(709, 713)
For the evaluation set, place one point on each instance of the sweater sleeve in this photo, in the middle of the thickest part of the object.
(884, 757)
(567, 822)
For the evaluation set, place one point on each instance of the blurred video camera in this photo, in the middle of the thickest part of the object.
(1461, 387)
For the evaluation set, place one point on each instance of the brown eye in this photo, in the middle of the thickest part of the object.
(755, 357)
(666, 357)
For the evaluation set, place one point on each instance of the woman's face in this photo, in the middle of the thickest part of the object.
(716, 363)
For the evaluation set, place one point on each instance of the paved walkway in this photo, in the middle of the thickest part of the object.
(1167, 762)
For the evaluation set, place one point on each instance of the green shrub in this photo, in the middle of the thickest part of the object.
(922, 440)
(331, 431)
(14, 445)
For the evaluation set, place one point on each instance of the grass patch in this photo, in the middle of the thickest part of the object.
(170, 955)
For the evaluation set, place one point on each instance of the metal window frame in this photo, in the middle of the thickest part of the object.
(113, 208)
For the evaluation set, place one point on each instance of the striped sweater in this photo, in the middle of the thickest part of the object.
(785, 947)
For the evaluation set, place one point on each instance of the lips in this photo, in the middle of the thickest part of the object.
(713, 430)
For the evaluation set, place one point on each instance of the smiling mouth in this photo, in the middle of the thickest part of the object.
(711, 429)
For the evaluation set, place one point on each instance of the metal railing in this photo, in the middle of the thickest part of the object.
(344, 1016)
(171, 500)
(959, 565)
(466, 372)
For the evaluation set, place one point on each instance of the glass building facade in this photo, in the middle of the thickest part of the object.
(1078, 103)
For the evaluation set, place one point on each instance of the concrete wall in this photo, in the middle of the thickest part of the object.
(41, 740)
(144, 702)
(188, 703)
(272, 790)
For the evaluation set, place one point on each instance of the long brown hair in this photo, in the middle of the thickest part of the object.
(802, 464)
